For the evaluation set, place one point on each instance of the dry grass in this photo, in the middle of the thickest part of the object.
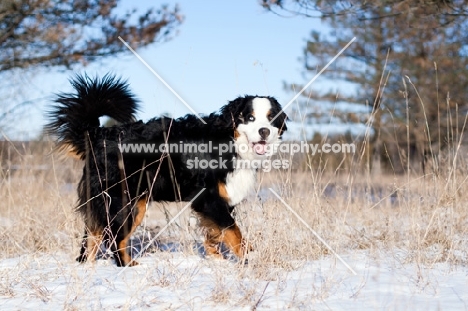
(423, 217)
(36, 213)
(419, 220)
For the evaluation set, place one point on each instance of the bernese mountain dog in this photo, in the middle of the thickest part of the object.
(117, 183)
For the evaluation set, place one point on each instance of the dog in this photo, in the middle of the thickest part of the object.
(117, 184)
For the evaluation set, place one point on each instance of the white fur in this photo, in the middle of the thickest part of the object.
(261, 107)
(239, 184)
(249, 132)
(241, 181)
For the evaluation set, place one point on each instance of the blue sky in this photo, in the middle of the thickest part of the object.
(222, 50)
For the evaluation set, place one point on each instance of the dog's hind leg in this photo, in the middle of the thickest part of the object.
(122, 232)
(90, 245)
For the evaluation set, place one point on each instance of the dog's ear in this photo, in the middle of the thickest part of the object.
(232, 114)
(281, 117)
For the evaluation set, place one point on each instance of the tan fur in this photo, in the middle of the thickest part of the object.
(140, 206)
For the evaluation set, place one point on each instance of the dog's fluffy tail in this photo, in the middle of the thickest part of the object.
(75, 115)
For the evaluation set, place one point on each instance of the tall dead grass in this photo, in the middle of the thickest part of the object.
(423, 219)
(38, 194)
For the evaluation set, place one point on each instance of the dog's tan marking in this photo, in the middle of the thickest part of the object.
(223, 191)
(93, 243)
(140, 208)
(68, 150)
(212, 237)
(124, 256)
(232, 237)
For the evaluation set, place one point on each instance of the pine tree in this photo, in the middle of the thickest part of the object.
(408, 65)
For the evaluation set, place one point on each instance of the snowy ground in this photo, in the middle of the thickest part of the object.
(180, 281)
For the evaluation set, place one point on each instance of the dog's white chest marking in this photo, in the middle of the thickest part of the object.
(239, 184)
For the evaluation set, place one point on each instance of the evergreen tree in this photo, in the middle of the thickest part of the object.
(46, 33)
(408, 65)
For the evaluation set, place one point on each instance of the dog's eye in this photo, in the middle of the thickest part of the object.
(251, 118)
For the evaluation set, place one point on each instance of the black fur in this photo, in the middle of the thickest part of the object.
(113, 182)
(75, 114)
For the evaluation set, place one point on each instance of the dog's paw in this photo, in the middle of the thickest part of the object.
(133, 263)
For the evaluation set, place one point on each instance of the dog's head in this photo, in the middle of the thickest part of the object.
(258, 123)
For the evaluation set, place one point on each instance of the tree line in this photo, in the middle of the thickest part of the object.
(409, 66)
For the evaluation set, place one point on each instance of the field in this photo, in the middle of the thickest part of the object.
(403, 240)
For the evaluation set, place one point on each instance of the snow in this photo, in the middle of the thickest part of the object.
(177, 280)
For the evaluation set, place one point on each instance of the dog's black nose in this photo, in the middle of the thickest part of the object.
(264, 132)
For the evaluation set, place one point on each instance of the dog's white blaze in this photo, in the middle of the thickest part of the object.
(261, 108)
(249, 132)
(239, 184)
